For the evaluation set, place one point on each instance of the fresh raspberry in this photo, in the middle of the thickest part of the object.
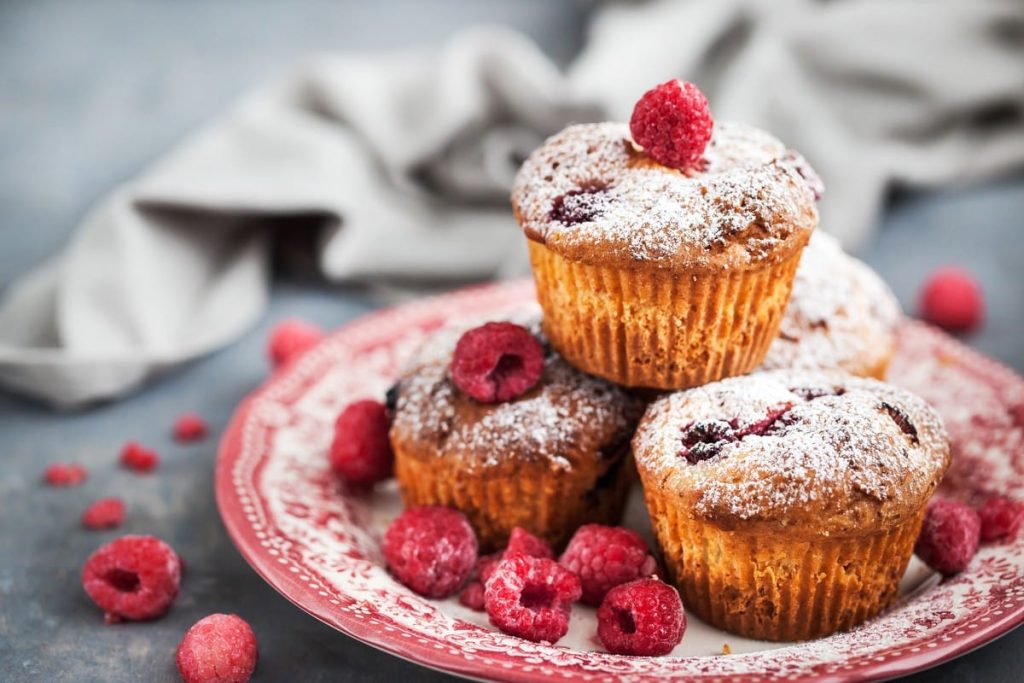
(485, 566)
(136, 457)
(497, 362)
(133, 577)
(105, 513)
(430, 549)
(361, 452)
(65, 474)
(531, 597)
(673, 124)
(522, 541)
(643, 617)
(190, 427)
(291, 338)
(951, 298)
(606, 556)
(220, 648)
(949, 536)
(472, 596)
(1000, 518)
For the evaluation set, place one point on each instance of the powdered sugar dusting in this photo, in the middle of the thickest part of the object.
(749, 197)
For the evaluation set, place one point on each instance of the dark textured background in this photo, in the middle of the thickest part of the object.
(90, 92)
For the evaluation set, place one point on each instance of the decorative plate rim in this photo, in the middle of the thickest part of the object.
(310, 594)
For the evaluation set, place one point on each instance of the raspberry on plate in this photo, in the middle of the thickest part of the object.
(522, 541)
(531, 597)
(642, 617)
(291, 338)
(190, 427)
(497, 362)
(949, 537)
(220, 648)
(673, 124)
(951, 299)
(105, 513)
(430, 549)
(361, 452)
(472, 596)
(137, 457)
(606, 556)
(133, 578)
(1000, 518)
(65, 474)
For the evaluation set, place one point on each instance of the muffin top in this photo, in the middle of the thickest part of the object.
(591, 195)
(568, 420)
(840, 315)
(821, 454)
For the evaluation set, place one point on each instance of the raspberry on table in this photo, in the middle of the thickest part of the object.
(497, 362)
(672, 122)
(361, 452)
(105, 513)
(190, 427)
(522, 541)
(220, 648)
(643, 617)
(1000, 518)
(606, 556)
(65, 474)
(949, 537)
(951, 299)
(132, 578)
(291, 338)
(430, 549)
(137, 457)
(531, 597)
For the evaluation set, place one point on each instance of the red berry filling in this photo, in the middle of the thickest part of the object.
(1000, 518)
(705, 439)
(901, 419)
(190, 427)
(531, 597)
(949, 537)
(497, 362)
(606, 556)
(951, 298)
(643, 617)
(672, 122)
(65, 474)
(105, 513)
(133, 577)
(361, 452)
(290, 339)
(579, 206)
(430, 549)
(136, 457)
(220, 648)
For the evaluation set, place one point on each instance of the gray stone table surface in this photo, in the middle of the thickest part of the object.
(90, 92)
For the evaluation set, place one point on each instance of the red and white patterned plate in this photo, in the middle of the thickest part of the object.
(318, 545)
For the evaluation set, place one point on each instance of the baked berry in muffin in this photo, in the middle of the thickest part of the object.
(787, 503)
(841, 316)
(512, 435)
(663, 277)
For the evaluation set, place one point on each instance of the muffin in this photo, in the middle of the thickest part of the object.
(656, 277)
(787, 503)
(841, 316)
(548, 460)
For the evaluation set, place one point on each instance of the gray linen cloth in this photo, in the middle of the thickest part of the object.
(405, 162)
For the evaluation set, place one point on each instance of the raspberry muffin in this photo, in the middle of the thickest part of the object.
(503, 429)
(841, 316)
(787, 503)
(664, 276)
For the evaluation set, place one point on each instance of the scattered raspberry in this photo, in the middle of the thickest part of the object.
(643, 617)
(430, 549)
(522, 541)
(673, 124)
(531, 597)
(291, 338)
(133, 577)
(139, 458)
(606, 556)
(65, 474)
(1000, 518)
(497, 362)
(105, 513)
(220, 648)
(190, 427)
(485, 566)
(472, 596)
(951, 298)
(361, 452)
(949, 537)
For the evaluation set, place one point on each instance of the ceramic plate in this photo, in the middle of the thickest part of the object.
(318, 545)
